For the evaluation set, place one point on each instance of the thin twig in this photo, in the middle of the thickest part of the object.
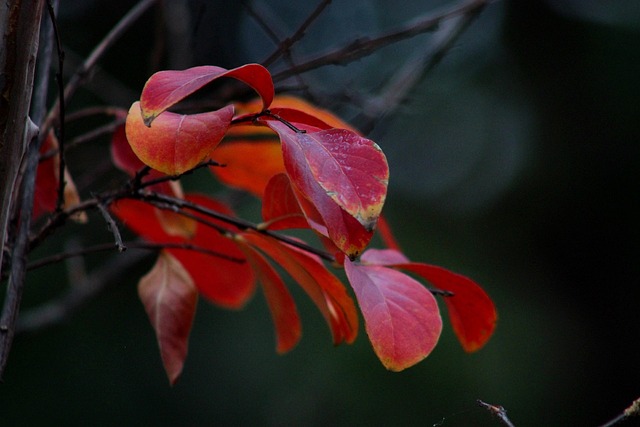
(112, 226)
(107, 247)
(362, 47)
(632, 411)
(54, 312)
(61, 107)
(90, 62)
(407, 76)
(286, 44)
(497, 411)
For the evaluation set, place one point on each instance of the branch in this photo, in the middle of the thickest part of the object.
(112, 226)
(632, 411)
(407, 76)
(286, 44)
(107, 247)
(497, 411)
(362, 47)
(56, 311)
(87, 66)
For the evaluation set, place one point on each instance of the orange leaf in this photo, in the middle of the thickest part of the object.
(169, 298)
(176, 143)
(248, 164)
(288, 102)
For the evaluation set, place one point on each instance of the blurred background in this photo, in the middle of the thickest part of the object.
(514, 161)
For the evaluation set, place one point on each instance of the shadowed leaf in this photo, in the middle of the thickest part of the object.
(169, 298)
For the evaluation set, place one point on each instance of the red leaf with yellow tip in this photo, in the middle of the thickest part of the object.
(401, 316)
(166, 88)
(169, 298)
(473, 315)
(343, 175)
(176, 143)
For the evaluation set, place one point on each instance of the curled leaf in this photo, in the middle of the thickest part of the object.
(176, 143)
(166, 88)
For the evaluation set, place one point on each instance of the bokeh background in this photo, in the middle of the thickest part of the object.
(515, 162)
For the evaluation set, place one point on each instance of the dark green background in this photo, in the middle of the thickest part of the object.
(514, 162)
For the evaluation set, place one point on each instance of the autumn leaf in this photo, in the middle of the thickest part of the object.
(166, 88)
(401, 316)
(280, 208)
(169, 298)
(473, 315)
(281, 304)
(176, 143)
(336, 168)
(324, 289)
(248, 164)
(293, 109)
(225, 279)
(48, 182)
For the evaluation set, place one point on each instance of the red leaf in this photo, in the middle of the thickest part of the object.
(48, 181)
(281, 305)
(473, 315)
(176, 143)
(280, 208)
(121, 153)
(325, 290)
(226, 280)
(401, 316)
(169, 298)
(351, 170)
(166, 88)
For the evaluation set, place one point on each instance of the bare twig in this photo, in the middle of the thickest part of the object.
(362, 47)
(112, 226)
(497, 411)
(61, 106)
(407, 76)
(108, 247)
(632, 411)
(285, 45)
(87, 66)
(56, 311)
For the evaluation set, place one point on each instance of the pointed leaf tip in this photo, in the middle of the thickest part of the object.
(401, 316)
(169, 298)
